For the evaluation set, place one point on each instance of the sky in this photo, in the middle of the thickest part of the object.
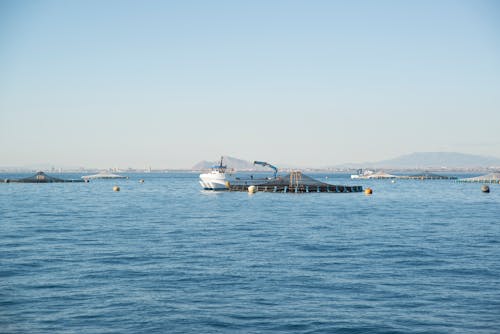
(103, 84)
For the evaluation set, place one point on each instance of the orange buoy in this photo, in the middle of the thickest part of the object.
(368, 191)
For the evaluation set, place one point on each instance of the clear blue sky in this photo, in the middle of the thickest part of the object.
(307, 83)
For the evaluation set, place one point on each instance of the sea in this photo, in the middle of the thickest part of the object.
(164, 256)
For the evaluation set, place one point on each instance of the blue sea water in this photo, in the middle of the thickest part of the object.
(165, 257)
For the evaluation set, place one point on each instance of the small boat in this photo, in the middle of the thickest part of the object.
(219, 178)
(369, 175)
(103, 175)
(361, 174)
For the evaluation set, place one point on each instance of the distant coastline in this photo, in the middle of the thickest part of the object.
(415, 162)
(309, 170)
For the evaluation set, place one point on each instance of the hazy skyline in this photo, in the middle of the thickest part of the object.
(317, 83)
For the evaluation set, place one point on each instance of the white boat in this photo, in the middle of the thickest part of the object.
(368, 175)
(362, 174)
(103, 175)
(215, 179)
(219, 178)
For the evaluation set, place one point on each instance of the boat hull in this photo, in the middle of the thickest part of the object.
(224, 181)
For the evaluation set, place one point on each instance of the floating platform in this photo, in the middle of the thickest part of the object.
(300, 189)
(488, 178)
(427, 176)
(296, 182)
(104, 175)
(39, 177)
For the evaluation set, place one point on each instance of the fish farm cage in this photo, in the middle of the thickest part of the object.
(296, 182)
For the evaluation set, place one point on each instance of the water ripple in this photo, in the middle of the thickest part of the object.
(163, 256)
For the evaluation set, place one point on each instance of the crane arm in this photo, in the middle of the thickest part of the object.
(265, 164)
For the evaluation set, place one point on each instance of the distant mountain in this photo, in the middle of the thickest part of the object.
(231, 163)
(428, 160)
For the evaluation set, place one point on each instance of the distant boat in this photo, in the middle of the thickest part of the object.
(361, 174)
(372, 175)
(103, 175)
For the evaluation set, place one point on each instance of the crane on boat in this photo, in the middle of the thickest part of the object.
(265, 164)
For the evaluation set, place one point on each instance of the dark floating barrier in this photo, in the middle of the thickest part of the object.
(295, 182)
(39, 177)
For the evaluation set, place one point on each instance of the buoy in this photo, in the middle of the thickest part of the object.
(485, 189)
(368, 191)
(116, 188)
(141, 181)
(252, 189)
(228, 185)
